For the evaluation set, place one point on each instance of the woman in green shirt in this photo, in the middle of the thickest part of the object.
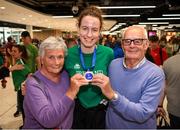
(89, 59)
(20, 72)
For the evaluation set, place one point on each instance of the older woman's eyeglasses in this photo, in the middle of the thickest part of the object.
(127, 42)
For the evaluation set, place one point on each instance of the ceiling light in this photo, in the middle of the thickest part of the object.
(142, 23)
(126, 7)
(170, 14)
(154, 25)
(37, 30)
(115, 27)
(177, 18)
(121, 23)
(135, 15)
(56, 17)
(2, 7)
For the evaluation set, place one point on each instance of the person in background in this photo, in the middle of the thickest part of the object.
(7, 60)
(36, 42)
(33, 61)
(8, 46)
(118, 51)
(176, 45)
(108, 42)
(103, 40)
(158, 53)
(20, 72)
(89, 59)
(136, 83)
(70, 42)
(163, 43)
(172, 90)
(4, 71)
(148, 55)
(49, 96)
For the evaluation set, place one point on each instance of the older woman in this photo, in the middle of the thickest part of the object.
(49, 95)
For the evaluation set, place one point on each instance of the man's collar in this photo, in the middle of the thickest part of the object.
(137, 66)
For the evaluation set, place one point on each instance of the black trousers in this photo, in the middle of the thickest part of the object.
(92, 118)
(20, 99)
(4, 72)
(174, 121)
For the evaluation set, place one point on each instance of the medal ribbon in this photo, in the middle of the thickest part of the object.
(82, 60)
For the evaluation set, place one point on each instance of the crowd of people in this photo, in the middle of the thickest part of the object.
(96, 82)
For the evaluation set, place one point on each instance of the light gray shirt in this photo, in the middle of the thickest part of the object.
(172, 72)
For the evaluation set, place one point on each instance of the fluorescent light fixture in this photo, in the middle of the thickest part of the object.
(170, 15)
(175, 18)
(2, 7)
(126, 7)
(142, 23)
(116, 27)
(37, 30)
(135, 15)
(121, 23)
(57, 17)
(154, 25)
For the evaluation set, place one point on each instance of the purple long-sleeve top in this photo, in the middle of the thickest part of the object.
(46, 105)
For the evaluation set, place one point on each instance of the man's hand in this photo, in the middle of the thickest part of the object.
(103, 82)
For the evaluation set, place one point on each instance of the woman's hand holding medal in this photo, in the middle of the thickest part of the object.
(76, 82)
(103, 82)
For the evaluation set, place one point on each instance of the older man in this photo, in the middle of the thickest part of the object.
(136, 83)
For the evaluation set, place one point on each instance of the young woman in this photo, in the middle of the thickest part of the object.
(89, 59)
(20, 72)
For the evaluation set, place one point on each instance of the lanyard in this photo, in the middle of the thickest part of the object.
(82, 60)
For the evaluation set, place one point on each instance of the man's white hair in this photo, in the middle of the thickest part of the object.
(135, 26)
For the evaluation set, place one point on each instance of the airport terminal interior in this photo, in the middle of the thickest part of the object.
(43, 18)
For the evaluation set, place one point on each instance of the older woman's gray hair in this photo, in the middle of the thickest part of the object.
(52, 43)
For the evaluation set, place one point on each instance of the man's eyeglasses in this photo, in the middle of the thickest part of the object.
(127, 42)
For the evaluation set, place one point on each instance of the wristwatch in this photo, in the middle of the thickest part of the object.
(115, 97)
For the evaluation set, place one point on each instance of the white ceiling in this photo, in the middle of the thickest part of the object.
(18, 14)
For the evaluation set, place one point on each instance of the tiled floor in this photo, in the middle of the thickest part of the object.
(8, 107)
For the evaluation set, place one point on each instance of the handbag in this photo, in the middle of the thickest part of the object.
(162, 122)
